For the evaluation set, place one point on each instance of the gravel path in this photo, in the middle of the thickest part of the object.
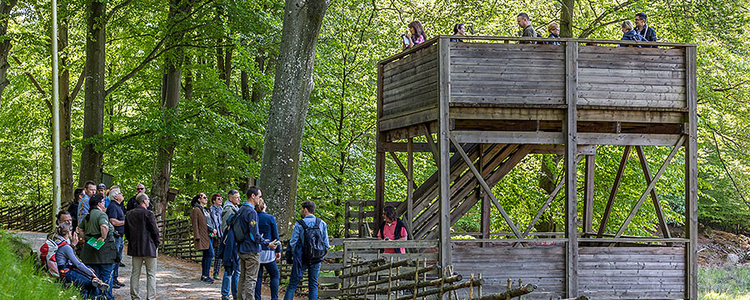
(175, 278)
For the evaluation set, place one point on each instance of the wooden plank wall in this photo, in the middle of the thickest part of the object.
(631, 77)
(410, 84)
(491, 73)
(632, 272)
(540, 265)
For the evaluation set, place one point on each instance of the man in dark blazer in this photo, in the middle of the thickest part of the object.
(143, 241)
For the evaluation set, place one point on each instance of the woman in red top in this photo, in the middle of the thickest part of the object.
(392, 229)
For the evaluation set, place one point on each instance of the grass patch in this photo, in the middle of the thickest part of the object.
(19, 277)
(732, 283)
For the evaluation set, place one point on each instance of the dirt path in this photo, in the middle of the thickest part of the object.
(175, 278)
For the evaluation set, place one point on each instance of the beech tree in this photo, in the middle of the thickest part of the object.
(289, 103)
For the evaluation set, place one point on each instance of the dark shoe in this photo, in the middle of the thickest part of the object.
(207, 279)
(117, 284)
(100, 284)
(122, 265)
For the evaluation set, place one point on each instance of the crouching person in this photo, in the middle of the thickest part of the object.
(73, 270)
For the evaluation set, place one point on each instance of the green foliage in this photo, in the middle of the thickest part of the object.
(219, 133)
(20, 277)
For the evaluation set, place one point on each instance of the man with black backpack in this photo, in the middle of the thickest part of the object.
(249, 241)
(309, 244)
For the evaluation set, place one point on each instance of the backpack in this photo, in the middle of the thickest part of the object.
(239, 233)
(313, 244)
(47, 255)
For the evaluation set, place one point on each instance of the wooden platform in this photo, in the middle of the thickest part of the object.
(482, 105)
(515, 93)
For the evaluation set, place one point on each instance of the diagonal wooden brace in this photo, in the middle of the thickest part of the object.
(613, 193)
(654, 197)
(486, 188)
(650, 186)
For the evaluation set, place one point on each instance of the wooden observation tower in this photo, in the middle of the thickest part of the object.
(485, 103)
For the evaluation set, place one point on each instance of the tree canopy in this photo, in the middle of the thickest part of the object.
(228, 52)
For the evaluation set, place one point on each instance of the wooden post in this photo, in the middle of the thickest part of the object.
(379, 159)
(485, 215)
(588, 195)
(570, 132)
(410, 185)
(691, 176)
(445, 146)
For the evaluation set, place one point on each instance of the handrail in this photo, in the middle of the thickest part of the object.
(435, 40)
(376, 244)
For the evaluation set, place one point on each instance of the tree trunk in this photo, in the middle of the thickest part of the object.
(66, 106)
(289, 103)
(5, 7)
(93, 111)
(170, 101)
(566, 18)
(245, 85)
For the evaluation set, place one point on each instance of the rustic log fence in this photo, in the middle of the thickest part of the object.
(27, 217)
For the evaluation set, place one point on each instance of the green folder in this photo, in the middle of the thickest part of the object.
(96, 243)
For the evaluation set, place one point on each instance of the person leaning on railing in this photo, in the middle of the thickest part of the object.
(630, 34)
(554, 33)
(414, 37)
(392, 229)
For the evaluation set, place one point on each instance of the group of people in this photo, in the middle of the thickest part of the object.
(243, 239)
(239, 236)
(638, 32)
(89, 240)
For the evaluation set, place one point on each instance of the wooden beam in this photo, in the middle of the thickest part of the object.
(410, 186)
(444, 154)
(560, 149)
(570, 134)
(654, 196)
(486, 188)
(613, 192)
(543, 208)
(650, 187)
(632, 139)
(431, 142)
(691, 175)
(588, 195)
(485, 214)
(508, 137)
(403, 169)
(379, 159)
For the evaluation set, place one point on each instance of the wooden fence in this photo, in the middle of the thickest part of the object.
(177, 239)
(27, 217)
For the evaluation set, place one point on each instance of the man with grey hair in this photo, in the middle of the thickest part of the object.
(140, 188)
(143, 238)
(116, 214)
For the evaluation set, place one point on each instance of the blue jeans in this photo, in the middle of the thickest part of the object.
(231, 277)
(312, 280)
(273, 271)
(104, 272)
(120, 244)
(82, 281)
(208, 255)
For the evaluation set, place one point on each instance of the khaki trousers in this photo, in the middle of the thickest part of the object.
(249, 265)
(135, 277)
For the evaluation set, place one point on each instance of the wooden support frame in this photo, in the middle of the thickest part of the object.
(613, 192)
(691, 176)
(444, 154)
(487, 189)
(379, 155)
(654, 197)
(570, 132)
(650, 187)
(588, 195)
(403, 169)
(410, 185)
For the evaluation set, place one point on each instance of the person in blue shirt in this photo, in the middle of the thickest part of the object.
(268, 230)
(89, 189)
(249, 249)
(299, 267)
